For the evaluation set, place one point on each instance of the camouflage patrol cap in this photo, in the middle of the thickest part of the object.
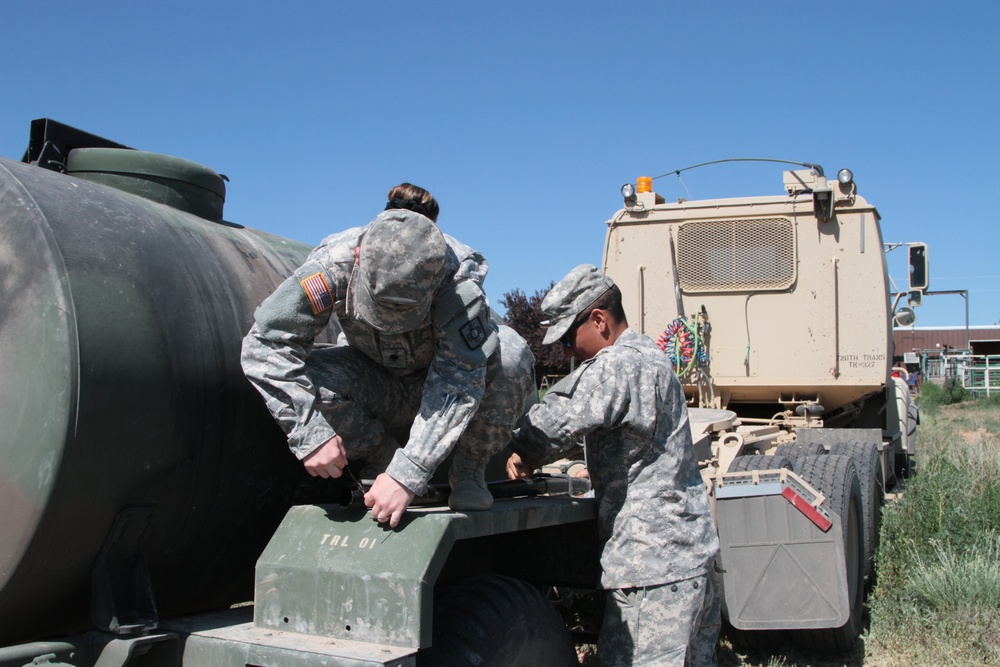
(581, 287)
(401, 263)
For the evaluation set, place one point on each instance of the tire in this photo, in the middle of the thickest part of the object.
(836, 476)
(759, 462)
(866, 458)
(760, 641)
(495, 621)
(799, 449)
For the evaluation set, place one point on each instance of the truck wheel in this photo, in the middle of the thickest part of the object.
(837, 477)
(762, 641)
(495, 621)
(866, 458)
(800, 449)
(759, 462)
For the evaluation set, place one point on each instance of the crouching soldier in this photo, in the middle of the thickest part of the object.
(423, 352)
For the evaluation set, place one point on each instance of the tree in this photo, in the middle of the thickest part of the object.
(524, 315)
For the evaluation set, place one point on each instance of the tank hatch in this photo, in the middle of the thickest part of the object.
(173, 181)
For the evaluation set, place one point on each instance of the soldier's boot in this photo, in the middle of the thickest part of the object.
(467, 477)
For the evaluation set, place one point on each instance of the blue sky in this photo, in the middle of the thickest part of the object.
(524, 118)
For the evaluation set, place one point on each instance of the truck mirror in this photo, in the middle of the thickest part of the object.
(919, 267)
(904, 317)
(915, 298)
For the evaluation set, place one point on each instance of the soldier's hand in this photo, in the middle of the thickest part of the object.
(388, 500)
(516, 469)
(327, 460)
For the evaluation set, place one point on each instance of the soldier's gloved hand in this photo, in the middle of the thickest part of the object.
(516, 469)
(327, 460)
(388, 500)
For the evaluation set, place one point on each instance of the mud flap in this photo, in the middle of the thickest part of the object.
(781, 569)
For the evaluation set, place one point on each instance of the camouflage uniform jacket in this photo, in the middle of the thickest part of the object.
(452, 346)
(654, 518)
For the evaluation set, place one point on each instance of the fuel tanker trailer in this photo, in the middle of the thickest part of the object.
(134, 456)
(150, 511)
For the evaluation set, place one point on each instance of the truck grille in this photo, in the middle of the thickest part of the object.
(736, 255)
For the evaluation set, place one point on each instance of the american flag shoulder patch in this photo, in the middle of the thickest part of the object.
(318, 291)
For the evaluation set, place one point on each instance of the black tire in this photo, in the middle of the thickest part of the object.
(866, 458)
(799, 449)
(759, 462)
(759, 641)
(495, 621)
(836, 476)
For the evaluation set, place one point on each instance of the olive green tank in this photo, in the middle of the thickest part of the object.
(140, 473)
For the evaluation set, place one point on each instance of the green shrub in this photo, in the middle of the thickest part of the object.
(951, 391)
(956, 392)
(931, 395)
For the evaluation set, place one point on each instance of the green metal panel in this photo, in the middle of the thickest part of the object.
(230, 639)
(336, 573)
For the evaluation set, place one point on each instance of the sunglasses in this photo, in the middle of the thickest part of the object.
(568, 338)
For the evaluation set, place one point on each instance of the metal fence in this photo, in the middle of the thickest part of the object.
(980, 374)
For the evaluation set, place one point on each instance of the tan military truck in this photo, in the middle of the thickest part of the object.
(777, 313)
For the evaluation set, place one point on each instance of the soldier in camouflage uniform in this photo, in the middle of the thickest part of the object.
(659, 541)
(423, 351)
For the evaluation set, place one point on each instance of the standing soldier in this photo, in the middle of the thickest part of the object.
(659, 541)
(423, 350)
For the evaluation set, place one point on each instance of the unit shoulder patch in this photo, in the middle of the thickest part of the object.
(474, 333)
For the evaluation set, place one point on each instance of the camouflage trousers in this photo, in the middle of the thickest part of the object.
(372, 408)
(674, 624)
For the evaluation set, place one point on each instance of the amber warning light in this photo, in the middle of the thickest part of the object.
(642, 184)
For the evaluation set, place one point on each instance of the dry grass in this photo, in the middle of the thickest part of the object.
(784, 656)
(938, 596)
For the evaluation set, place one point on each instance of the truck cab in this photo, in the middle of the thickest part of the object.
(776, 312)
